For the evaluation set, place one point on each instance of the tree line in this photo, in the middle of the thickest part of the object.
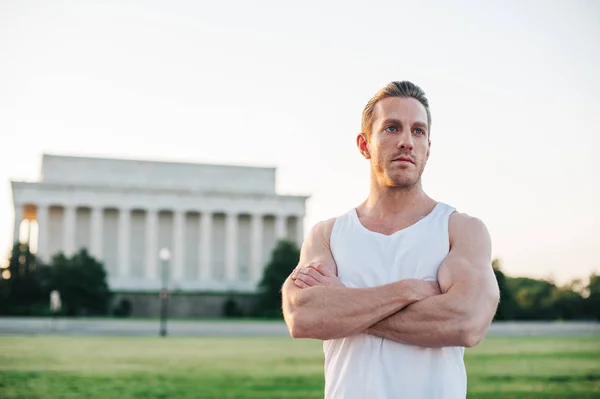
(523, 298)
(80, 280)
(82, 283)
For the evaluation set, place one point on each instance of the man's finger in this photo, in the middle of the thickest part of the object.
(300, 283)
(323, 270)
(312, 272)
(308, 280)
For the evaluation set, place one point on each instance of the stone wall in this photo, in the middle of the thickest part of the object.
(184, 305)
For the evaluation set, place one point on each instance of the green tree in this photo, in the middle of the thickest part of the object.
(543, 300)
(284, 259)
(81, 282)
(507, 307)
(22, 293)
(567, 303)
(534, 298)
(592, 302)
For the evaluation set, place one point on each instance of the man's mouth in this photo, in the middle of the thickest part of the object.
(403, 159)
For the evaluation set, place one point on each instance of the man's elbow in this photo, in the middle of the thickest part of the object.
(474, 326)
(302, 319)
(290, 316)
(299, 325)
(470, 338)
(471, 331)
(295, 318)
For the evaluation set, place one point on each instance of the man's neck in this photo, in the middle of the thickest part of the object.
(387, 201)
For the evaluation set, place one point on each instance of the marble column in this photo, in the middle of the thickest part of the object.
(97, 233)
(256, 232)
(151, 241)
(17, 224)
(69, 215)
(205, 271)
(299, 230)
(124, 241)
(280, 227)
(178, 244)
(28, 237)
(41, 215)
(231, 226)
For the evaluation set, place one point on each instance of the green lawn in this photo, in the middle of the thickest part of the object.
(48, 367)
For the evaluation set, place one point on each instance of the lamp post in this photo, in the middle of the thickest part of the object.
(165, 257)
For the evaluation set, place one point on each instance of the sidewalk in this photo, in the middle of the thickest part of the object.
(225, 327)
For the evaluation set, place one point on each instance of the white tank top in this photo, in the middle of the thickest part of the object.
(367, 367)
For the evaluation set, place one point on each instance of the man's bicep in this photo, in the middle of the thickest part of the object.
(468, 263)
(316, 248)
(467, 280)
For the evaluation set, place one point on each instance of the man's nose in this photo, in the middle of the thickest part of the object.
(405, 140)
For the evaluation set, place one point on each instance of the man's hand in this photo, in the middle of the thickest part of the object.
(312, 275)
(424, 289)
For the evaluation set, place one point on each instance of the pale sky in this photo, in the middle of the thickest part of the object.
(513, 86)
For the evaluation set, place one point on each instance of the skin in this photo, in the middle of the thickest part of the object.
(454, 311)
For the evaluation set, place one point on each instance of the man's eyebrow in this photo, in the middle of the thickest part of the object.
(394, 121)
(391, 121)
(420, 124)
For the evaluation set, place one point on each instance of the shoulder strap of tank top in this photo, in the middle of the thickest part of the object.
(445, 210)
(442, 220)
(342, 222)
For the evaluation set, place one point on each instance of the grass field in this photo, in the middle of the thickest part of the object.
(51, 367)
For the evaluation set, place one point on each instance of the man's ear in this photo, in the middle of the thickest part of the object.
(362, 142)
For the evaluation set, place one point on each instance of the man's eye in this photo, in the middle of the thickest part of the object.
(391, 129)
(419, 131)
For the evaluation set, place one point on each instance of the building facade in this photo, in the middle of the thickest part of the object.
(218, 222)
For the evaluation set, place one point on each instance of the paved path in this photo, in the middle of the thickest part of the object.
(241, 328)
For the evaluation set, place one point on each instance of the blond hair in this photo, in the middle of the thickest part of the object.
(403, 89)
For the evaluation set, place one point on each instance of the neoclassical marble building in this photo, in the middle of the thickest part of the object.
(219, 222)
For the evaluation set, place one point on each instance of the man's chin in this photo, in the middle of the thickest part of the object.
(404, 182)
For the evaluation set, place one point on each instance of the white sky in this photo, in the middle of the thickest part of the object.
(513, 86)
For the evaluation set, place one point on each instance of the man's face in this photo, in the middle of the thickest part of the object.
(399, 143)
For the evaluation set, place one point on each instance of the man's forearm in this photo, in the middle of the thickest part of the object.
(429, 323)
(449, 319)
(334, 312)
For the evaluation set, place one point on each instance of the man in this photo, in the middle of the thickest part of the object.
(398, 286)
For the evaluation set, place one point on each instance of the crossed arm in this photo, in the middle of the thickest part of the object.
(327, 309)
(457, 313)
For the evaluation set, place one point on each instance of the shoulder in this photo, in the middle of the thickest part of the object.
(316, 248)
(324, 226)
(468, 231)
(462, 224)
(321, 231)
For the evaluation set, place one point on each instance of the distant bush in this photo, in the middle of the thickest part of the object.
(232, 309)
(284, 259)
(123, 308)
(80, 280)
(523, 298)
(25, 291)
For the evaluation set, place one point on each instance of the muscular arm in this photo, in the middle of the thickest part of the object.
(463, 313)
(334, 311)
